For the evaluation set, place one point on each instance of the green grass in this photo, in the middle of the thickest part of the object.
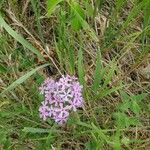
(105, 44)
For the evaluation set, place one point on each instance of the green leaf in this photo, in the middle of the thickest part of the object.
(132, 15)
(75, 23)
(84, 24)
(51, 5)
(97, 77)
(71, 59)
(3, 69)
(119, 4)
(139, 97)
(121, 119)
(83, 124)
(89, 9)
(19, 38)
(133, 121)
(110, 74)
(125, 105)
(81, 67)
(124, 96)
(3, 136)
(146, 21)
(91, 145)
(1, 3)
(22, 79)
(108, 91)
(100, 133)
(36, 8)
(41, 130)
(135, 107)
(35, 130)
(117, 142)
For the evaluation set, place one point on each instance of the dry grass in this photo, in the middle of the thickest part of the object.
(120, 48)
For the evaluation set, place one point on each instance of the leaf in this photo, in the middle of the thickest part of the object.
(83, 124)
(59, 54)
(139, 97)
(84, 24)
(124, 96)
(100, 133)
(91, 145)
(19, 38)
(97, 77)
(35, 130)
(80, 67)
(119, 4)
(117, 142)
(133, 121)
(109, 75)
(41, 130)
(125, 105)
(71, 59)
(89, 9)
(106, 92)
(75, 23)
(132, 15)
(135, 107)
(146, 21)
(51, 5)
(22, 79)
(36, 8)
(3, 69)
(121, 119)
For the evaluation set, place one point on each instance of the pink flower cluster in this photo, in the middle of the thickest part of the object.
(61, 97)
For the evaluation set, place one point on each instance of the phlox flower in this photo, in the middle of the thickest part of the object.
(60, 98)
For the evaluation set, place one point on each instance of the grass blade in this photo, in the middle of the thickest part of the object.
(35, 130)
(132, 15)
(19, 38)
(146, 19)
(36, 9)
(80, 67)
(51, 5)
(71, 59)
(22, 79)
(119, 4)
(106, 92)
(84, 24)
(110, 74)
(98, 69)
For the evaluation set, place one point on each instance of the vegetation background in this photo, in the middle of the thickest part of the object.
(105, 43)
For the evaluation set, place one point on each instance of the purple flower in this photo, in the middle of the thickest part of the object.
(76, 103)
(66, 95)
(43, 109)
(48, 97)
(77, 88)
(49, 84)
(61, 98)
(61, 114)
(51, 111)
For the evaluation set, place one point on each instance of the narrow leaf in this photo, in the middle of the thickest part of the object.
(51, 5)
(97, 77)
(22, 79)
(80, 67)
(106, 92)
(132, 15)
(19, 38)
(84, 24)
(35, 130)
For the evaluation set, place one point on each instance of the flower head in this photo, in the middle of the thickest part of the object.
(61, 97)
